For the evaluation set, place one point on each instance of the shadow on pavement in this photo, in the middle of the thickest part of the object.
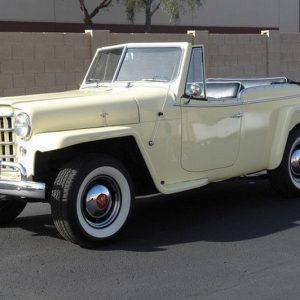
(222, 212)
(41, 225)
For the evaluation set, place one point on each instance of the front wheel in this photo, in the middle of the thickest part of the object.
(286, 177)
(91, 200)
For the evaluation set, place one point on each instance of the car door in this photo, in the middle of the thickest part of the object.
(210, 126)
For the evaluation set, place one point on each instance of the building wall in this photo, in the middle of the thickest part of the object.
(49, 62)
(236, 55)
(280, 14)
(33, 63)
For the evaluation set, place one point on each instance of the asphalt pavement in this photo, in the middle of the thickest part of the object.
(233, 240)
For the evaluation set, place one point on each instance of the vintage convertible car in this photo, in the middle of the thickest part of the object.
(144, 121)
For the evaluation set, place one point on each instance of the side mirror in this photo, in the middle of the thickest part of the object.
(196, 90)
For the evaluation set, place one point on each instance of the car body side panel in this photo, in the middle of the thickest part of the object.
(162, 163)
(270, 113)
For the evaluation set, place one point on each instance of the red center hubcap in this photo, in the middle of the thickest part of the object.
(102, 201)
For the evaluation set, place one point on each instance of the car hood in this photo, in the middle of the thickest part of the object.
(76, 109)
(79, 109)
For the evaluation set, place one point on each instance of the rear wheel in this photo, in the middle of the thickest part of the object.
(286, 178)
(10, 208)
(91, 200)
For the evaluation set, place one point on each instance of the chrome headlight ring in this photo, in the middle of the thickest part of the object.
(22, 126)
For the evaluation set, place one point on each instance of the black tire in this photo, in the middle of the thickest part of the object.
(286, 177)
(10, 208)
(92, 200)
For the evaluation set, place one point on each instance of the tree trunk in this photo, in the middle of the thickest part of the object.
(89, 23)
(148, 18)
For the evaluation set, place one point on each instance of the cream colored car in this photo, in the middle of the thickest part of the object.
(144, 121)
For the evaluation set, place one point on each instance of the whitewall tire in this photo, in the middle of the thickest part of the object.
(286, 177)
(92, 200)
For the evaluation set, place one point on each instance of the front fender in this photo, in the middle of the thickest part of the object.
(288, 118)
(57, 140)
(52, 141)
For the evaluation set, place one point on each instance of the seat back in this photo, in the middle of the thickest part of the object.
(219, 90)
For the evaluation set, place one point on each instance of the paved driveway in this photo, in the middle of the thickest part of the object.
(234, 240)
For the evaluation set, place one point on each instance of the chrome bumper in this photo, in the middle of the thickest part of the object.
(20, 188)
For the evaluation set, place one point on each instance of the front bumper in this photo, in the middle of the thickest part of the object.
(20, 188)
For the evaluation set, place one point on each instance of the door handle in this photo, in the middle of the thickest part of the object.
(238, 115)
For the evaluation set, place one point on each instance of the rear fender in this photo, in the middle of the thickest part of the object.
(288, 119)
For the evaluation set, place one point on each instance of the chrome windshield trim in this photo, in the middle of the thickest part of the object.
(120, 63)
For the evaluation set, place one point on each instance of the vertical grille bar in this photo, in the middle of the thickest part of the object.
(6, 137)
(7, 143)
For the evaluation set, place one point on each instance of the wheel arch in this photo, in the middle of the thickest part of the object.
(125, 149)
(288, 120)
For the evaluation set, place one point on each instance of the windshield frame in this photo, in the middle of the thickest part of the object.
(122, 57)
(125, 48)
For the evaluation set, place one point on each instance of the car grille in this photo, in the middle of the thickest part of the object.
(7, 139)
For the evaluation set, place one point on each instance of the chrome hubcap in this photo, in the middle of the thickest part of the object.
(295, 163)
(101, 202)
(98, 201)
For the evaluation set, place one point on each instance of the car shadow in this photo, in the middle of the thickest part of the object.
(41, 225)
(223, 212)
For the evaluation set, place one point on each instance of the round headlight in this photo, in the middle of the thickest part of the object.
(22, 125)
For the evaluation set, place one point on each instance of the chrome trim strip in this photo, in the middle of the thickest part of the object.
(248, 78)
(148, 196)
(6, 129)
(271, 99)
(210, 104)
(7, 143)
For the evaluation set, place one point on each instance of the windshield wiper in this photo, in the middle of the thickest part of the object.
(93, 80)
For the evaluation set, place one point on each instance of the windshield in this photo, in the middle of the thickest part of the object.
(148, 64)
(157, 64)
(104, 66)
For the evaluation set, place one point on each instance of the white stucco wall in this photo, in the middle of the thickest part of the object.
(242, 13)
